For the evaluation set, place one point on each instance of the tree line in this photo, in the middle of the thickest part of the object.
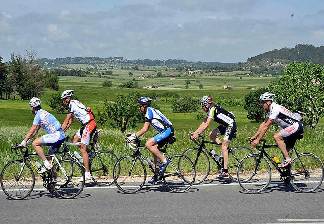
(24, 78)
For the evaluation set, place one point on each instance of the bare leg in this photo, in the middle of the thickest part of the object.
(153, 148)
(281, 144)
(39, 150)
(225, 153)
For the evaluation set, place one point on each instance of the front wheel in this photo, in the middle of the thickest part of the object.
(201, 163)
(253, 174)
(307, 172)
(68, 178)
(102, 165)
(129, 174)
(17, 179)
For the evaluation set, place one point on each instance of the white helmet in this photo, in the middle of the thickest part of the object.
(205, 101)
(34, 102)
(67, 93)
(267, 96)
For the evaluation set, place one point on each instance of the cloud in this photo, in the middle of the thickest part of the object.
(207, 30)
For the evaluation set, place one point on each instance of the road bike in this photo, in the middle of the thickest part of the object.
(304, 174)
(101, 161)
(65, 179)
(130, 172)
(202, 157)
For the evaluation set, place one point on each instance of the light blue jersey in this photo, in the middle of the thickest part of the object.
(157, 119)
(47, 121)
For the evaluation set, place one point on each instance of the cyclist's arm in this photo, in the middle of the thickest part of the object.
(202, 127)
(263, 129)
(32, 131)
(144, 129)
(258, 131)
(67, 122)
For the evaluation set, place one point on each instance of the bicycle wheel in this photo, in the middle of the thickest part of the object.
(68, 178)
(307, 172)
(180, 174)
(17, 179)
(201, 163)
(253, 174)
(101, 166)
(129, 174)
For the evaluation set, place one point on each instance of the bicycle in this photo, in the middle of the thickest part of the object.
(64, 180)
(201, 158)
(130, 172)
(304, 174)
(101, 161)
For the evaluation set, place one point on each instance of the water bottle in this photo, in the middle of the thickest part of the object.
(276, 159)
(91, 155)
(38, 165)
(214, 155)
(78, 156)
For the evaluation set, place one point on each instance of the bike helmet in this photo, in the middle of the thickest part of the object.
(144, 100)
(205, 101)
(34, 102)
(67, 93)
(267, 96)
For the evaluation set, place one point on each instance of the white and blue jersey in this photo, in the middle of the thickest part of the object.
(55, 134)
(160, 123)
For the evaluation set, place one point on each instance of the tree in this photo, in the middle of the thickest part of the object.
(301, 88)
(131, 84)
(122, 114)
(107, 83)
(27, 76)
(51, 80)
(3, 78)
(56, 103)
(184, 104)
(252, 105)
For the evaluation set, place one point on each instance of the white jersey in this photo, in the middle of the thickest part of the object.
(282, 116)
(79, 111)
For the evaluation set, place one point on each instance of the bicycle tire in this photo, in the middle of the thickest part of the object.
(307, 172)
(129, 174)
(253, 174)
(101, 166)
(180, 174)
(201, 164)
(17, 179)
(68, 178)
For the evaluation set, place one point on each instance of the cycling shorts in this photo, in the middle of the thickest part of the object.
(54, 140)
(164, 135)
(85, 133)
(229, 131)
(291, 133)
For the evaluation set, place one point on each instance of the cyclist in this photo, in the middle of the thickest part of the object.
(289, 123)
(164, 128)
(88, 126)
(227, 127)
(54, 137)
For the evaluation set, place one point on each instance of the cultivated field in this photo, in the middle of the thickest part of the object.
(16, 118)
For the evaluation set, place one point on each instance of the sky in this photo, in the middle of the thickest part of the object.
(195, 30)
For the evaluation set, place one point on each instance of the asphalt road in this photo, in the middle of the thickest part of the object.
(205, 204)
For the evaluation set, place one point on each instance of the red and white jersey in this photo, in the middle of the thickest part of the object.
(79, 111)
(282, 116)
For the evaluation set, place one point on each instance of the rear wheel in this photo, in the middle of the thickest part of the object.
(129, 174)
(17, 179)
(253, 174)
(307, 172)
(67, 178)
(180, 174)
(201, 163)
(102, 165)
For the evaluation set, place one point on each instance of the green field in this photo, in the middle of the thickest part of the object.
(16, 117)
